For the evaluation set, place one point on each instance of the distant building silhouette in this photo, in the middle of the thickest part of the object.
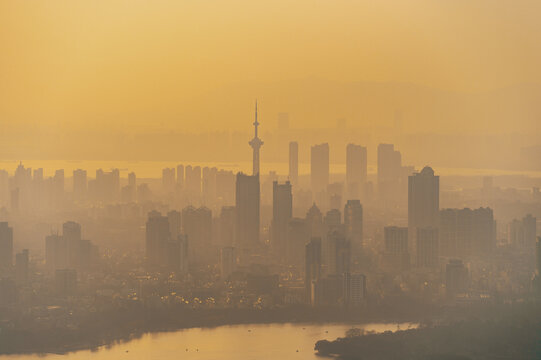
(228, 225)
(313, 262)
(197, 225)
(466, 232)
(427, 247)
(228, 261)
(247, 206)
(282, 211)
(319, 168)
(22, 261)
(6, 247)
(353, 224)
(356, 171)
(157, 237)
(354, 292)
(389, 168)
(294, 162)
(396, 256)
(80, 185)
(456, 277)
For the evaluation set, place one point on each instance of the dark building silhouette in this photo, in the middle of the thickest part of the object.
(396, 256)
(294, 162)
(72, 235)
(228, 261)
(456, 277)
(282, 211)
(228, 225)
(22, 261)
(522, 233)
(356, 171)
(6, 247)
(168, 180)
(173, 217)
(313, 262)
(197, 225)
(297, 237)
(423, 199)
(339, 253)
(427, 247)
(157, 237)
(319, 168)
(354, 291)
(247, 206)
(65, 282)
(466, 232)
(80, 185)
(353, 224)
(56, 252)
(389, 168)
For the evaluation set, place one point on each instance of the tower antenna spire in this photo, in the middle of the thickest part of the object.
(256, 143)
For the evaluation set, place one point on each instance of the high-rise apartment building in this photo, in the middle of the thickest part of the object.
(282, 211)
(247, 206)
(294, 162)
(356, 171)
(319, 167)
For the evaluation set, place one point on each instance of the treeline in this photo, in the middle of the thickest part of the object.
(509, 332)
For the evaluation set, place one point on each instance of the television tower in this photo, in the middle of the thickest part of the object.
(256, 143)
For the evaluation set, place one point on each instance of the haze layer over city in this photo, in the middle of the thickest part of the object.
(238, 180)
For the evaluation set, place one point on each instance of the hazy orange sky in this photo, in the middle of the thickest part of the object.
(114, 62)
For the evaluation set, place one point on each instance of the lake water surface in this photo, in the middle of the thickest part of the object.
(237, 342)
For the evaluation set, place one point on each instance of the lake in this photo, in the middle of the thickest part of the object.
(236, 342)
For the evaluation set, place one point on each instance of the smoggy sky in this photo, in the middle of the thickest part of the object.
(143, 62)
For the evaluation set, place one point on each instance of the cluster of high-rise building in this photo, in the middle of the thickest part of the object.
(319, 238)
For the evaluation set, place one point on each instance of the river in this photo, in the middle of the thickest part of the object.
(237, 342)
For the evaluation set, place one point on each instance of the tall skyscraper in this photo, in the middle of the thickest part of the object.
(157, 237)
(297, 237)
(456, 277)
(228, 261)
(79, 184)
(6, 247)
(427, 247)
(319, 167)
(177, 256)
(294, 162)
(396, 256)
(423, 200)
(180, 176)
(228, 225)
(312, 272)
(389, 168)
(522, 233)
(339, 253)
(354, 291)
(197, 225)
(22, 261)
(56, 252)
(173, 218)
(353, 224)
(356, 171)
(208, 185)
(466, 232)
(168, 180)
(256, 144)
(193, 183)
(282, 211)
(247, 206)
(72, 236)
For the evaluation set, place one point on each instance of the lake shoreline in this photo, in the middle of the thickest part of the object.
(135, 333)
